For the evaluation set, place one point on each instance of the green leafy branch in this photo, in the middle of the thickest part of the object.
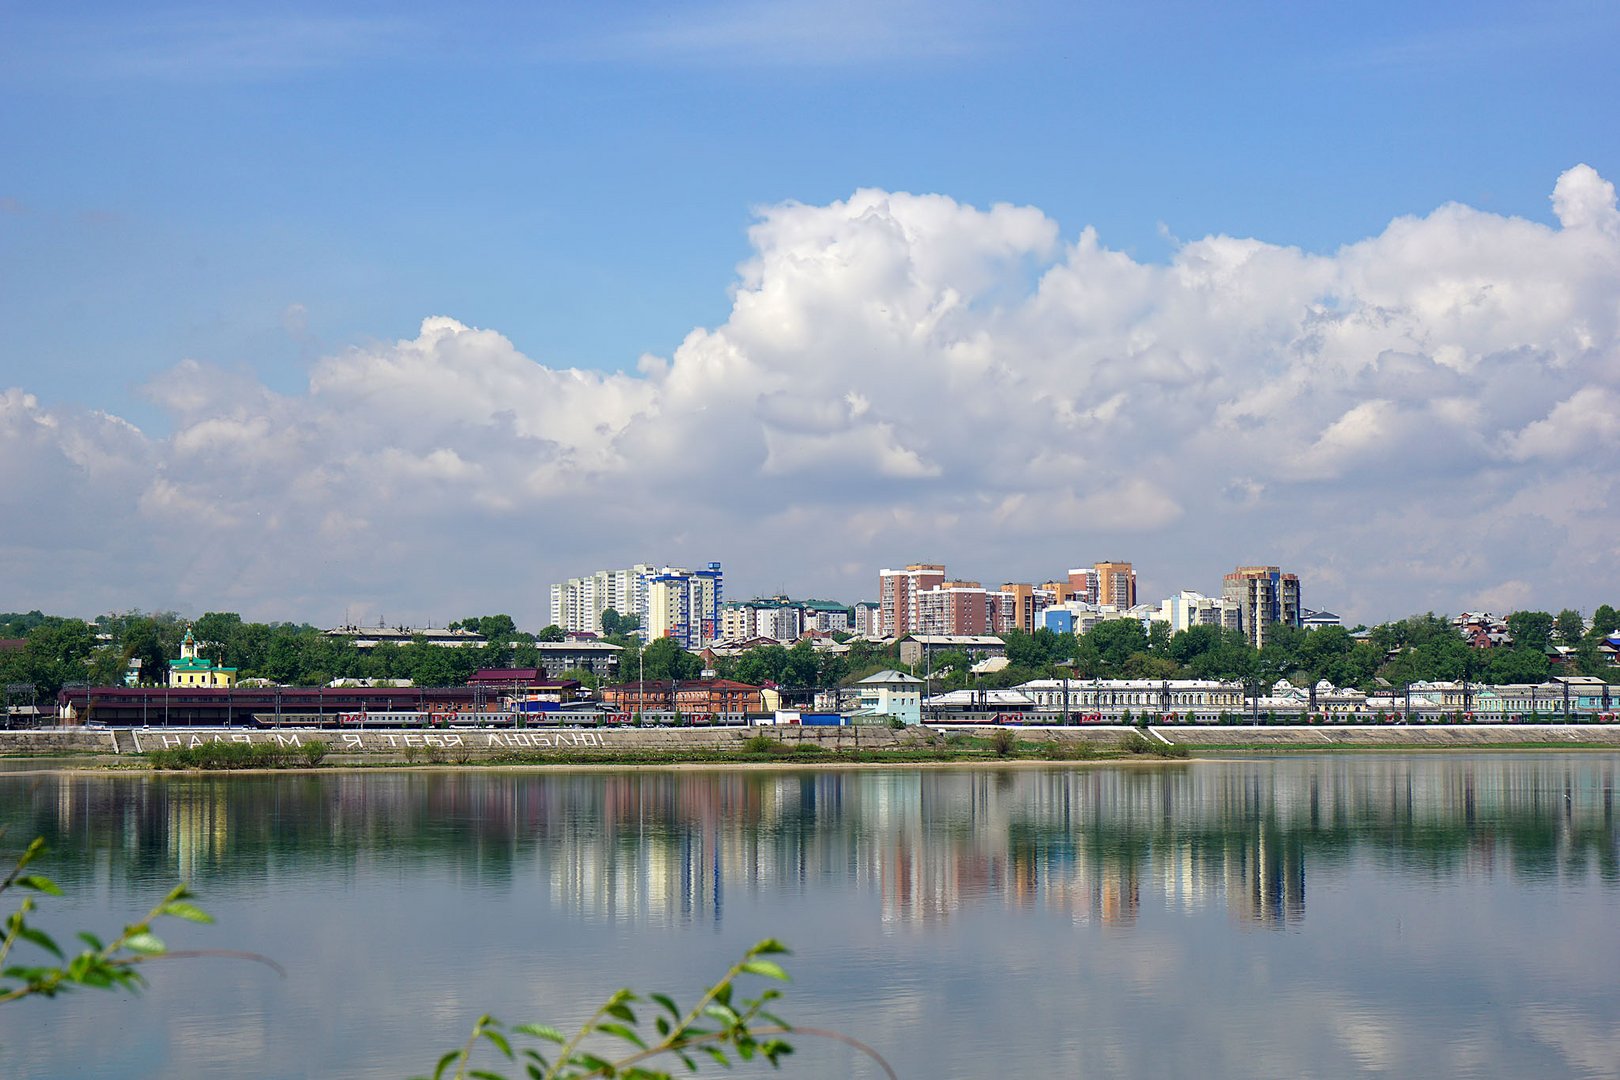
(719, 1026)
(100, 965)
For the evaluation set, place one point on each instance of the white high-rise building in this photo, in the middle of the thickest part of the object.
(1188, 609)
(577, 604)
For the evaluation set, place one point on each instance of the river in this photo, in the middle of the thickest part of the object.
(1338, 915)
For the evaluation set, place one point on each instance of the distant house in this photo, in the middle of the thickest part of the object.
(915, 648)
(1316, 620)
(600, 658)
(893, 694)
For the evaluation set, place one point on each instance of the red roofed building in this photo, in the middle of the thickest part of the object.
(530, 684)
(696, 698)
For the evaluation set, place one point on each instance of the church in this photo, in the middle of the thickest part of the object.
(193, 670)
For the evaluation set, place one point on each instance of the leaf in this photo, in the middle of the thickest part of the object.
(623, 1032)
(189, 912)
(90, 940)
(485, 1074)
(722, 1012)
(40, 938)
(146, 943)
(499, 1042)
(542, 1031)
(619, 1011)
(767, 968)
(667, 1002)
(444, 1063)
(40, 884)
(769, 947)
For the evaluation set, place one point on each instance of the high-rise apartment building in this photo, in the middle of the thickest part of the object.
(1264, 596)
(685, 605)
(688, 602)
(1024, 603)
(897, 596)
(1083, 585)
(1187, 609)
(952, 607)
(577, 604)
(1116, 584)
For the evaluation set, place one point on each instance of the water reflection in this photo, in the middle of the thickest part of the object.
(670, 848)
(1095, 921)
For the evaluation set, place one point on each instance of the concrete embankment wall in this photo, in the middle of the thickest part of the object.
(1395, 736)
(457, 744)
(57, 741)
(1316, 737)
(468, 744)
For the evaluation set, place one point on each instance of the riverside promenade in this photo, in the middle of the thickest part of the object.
(469, 744)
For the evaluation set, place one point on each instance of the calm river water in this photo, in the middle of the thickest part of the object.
(1441, 915)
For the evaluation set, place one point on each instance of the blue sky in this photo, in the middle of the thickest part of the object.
(260, 187)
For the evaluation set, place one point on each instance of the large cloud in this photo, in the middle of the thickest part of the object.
(1424, 417)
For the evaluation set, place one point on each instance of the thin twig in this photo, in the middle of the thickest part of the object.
(234, 954)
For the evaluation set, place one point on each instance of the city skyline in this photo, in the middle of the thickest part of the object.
(319, 312)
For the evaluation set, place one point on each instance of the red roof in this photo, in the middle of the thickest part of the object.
(504, 675)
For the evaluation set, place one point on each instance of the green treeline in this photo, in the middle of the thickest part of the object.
(57, 651)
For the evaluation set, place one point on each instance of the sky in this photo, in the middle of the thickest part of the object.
(348, 312)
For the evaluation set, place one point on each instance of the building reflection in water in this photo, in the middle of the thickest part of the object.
(647, 847)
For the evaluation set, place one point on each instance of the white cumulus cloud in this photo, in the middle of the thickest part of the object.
(1424, 416)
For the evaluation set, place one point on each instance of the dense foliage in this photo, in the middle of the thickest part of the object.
(60, 652)
(56, 652)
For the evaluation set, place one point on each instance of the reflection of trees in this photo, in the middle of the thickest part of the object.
(1090, 842)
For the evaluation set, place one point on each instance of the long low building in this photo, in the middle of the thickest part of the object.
(135, 706)
(1114, 697)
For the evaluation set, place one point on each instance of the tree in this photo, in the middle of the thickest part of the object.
(432, 665)
(142, 641)
(1605, 621)
(665, 659)
(499, 628)
(15, 624)
(758, 666)
(1530, 629)
(1194, 641)
(615, 625)
(1518, 666)
(553, 633)
(215, 633)
(58, 652)
(585, 678)
(1116, 640)
(1569, 626)
(801, 666)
